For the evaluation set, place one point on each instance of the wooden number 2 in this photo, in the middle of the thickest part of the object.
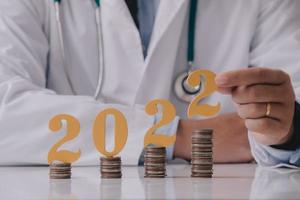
(72, 129)
(209, 86)
(99, 132)
(168, 115)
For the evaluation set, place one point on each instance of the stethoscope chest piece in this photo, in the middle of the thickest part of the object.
(183, 90)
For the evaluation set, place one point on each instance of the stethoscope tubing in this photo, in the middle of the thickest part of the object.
(57, 4)
(191, 32)
(100, 50)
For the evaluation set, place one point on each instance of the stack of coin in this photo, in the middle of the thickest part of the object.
(155, 162)
(110, 167)
(202, 153)
(60, 171)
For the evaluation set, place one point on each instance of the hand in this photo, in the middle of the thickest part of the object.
(252, 90)
(230, 142)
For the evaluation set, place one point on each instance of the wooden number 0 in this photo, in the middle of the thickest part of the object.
(210, 87)
(99, 132)
(73, 129)
(168, 115)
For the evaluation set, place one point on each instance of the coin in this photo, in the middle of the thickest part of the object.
(60, 171)
(202, 153)
(110, 167)
(155, 162)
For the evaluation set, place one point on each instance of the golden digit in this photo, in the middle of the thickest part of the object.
(209, 86)
(73, 129)
(99, 131)
(168, 115)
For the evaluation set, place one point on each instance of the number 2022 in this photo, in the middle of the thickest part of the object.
(121, 128)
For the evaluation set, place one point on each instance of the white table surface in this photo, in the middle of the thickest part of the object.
(229, 182)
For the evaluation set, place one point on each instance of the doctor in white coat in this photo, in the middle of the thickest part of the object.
(36, 84)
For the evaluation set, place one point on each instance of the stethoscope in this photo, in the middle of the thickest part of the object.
(57, 4)
(182, 90)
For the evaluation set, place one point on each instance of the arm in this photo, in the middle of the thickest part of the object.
(27, 106)
(275, 44)
(230, 142)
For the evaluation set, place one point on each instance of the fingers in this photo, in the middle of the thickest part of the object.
(267, 126)
(259, 94)
(250, 76)
(252, 90)
(225, 90)
(259, 110)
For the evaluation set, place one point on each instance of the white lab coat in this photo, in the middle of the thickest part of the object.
(31, 61)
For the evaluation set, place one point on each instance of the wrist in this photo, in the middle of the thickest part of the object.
(181, 143)
(292, 140)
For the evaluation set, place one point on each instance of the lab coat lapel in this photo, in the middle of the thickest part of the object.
(162, 51)
(167, 11)
(124, 60)
(122, 37)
